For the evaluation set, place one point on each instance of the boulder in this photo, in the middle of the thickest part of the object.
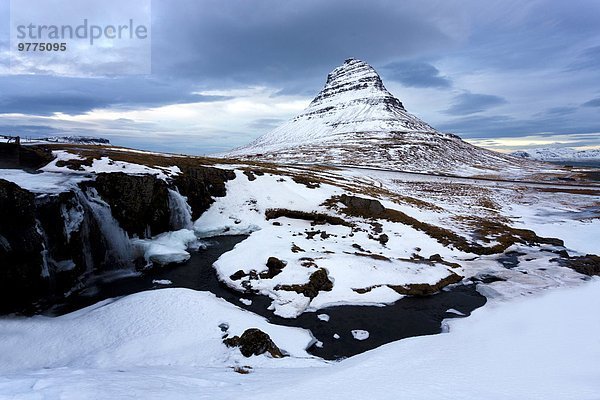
(274, 265)
(254, 342)
(361, 206)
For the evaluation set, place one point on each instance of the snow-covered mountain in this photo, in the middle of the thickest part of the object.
(355, 120)
(558, 154)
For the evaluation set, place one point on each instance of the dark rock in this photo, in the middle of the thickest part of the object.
(68, 255)
(200, 185)
(425, 289)
(274, 265)
(358, 247)
(563, 253)
(318, 281)
(312, 234)
(377, 227)
(314, 217)
(9, 155)
(250, 175)
(76, 164)
(587, 265)
(140, 203)
(487, 278)
(21, 246)
(13, 155)
(361, 206)
(383, 239)
(224, 326)
(239, 274)
(436, 258)
(254, 342)
(303, 180)
(379, 257)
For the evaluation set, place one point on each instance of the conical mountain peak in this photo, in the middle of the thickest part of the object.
(355, 79)
(353, 101)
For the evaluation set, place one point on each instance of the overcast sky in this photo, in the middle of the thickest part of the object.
(504, 74)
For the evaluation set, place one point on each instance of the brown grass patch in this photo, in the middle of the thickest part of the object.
(314, 217)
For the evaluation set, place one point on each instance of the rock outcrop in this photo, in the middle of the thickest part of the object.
(139, 202)
(21, 247)
(200, 185)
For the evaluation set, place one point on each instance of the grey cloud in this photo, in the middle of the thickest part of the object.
(274, 41)
(588, 59)
(471, 103)
(557, 111)
(28, 130)
(44, 95)
(592, 103)
(482, 126)
(416, 74)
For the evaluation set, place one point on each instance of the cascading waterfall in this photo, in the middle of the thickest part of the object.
(78, 219)
(119, 251)
(181, 212)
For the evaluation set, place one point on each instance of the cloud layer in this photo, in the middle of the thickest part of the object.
(225, 72)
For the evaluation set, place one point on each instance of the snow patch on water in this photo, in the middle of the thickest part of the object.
(359, 334)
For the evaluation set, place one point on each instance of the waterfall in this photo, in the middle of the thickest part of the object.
(119, 251)
(181, 212)
(45, 268)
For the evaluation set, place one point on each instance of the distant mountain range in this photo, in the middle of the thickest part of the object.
(77, 139)
(558, 154)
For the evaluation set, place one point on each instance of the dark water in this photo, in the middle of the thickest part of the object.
(406, 318)
(197, 274)
(586, 163)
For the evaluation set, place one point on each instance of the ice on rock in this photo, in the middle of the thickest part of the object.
(168, 247)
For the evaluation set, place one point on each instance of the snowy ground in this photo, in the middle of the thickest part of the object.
(537, 348)
(167, 343)
(355, 260)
